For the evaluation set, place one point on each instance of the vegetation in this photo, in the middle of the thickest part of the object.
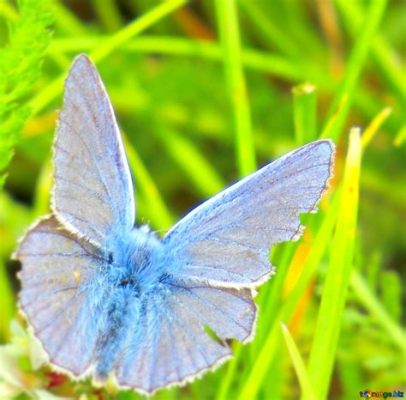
(204, 93)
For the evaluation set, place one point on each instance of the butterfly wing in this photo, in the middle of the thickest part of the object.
(226, 240)
(93, 192)
(170, 344)
(58, 293)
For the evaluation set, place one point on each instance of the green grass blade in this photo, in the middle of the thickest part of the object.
(338, 276)
(236, 86)
(265, 357)
(298, 364)
(350, 376)
(400, 137)
(104, 48)
(313, 259)
(275, 65)
(269, 30)
(260, 368)
(223, 392)
(177, 46)
(272, 295)
(354, 67)
(374, 126)
(305, 113)
(381, 53)
(134, 28)
(108, 14)
(195, 166)
(158, 213)
(374, 306)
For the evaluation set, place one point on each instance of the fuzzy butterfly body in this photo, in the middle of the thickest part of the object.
(107, 298)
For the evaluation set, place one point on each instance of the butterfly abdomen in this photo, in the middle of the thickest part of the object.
(121, 310)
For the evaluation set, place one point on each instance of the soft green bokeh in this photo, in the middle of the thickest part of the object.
(204, 92)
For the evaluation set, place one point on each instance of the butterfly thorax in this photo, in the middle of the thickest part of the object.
(132, 260)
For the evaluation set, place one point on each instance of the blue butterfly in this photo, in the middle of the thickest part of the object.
(107, 298)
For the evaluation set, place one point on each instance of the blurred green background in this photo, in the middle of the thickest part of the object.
(204, 92)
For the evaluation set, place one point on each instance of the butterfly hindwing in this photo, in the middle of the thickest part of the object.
(93, 192)
(58, 295)
(170, 343)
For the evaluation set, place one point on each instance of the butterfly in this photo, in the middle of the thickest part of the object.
(108, 298)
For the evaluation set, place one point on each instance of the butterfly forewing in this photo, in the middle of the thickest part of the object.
(93, 192)
(226, 240)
